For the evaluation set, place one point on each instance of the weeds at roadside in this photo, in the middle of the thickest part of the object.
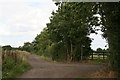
(10, 69)
(14, 67)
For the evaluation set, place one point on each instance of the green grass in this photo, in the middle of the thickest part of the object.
(95, 61)
(46, 58)
(12, 70)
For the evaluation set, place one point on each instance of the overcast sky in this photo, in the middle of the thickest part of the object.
(22, 20)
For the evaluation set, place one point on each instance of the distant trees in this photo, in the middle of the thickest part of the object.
(7, 47)
(102, 50)
(41, 43)
(27, 47)
(99, 50)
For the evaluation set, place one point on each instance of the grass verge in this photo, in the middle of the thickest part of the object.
(46, 58)
(95, 62)
(92, 62)
(11, 69)
(103, 73)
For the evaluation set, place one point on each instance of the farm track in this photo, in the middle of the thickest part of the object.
(43, 69)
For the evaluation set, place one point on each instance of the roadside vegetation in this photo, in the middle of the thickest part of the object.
(48, 59)
(103, 73)
(14, 63)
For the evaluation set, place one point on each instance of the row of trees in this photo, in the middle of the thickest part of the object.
(67, 33)
(69, 29)
(8, 47)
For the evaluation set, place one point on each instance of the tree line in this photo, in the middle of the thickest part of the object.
(68, 32)
(70, 27)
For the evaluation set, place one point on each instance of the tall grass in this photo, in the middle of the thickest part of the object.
(14, 63)
(46, 58)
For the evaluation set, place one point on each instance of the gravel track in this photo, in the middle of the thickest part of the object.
(44, 69)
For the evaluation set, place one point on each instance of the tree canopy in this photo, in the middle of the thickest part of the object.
(67, 32)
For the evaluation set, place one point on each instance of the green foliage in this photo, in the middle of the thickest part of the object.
(109, 23)
(110, 18)
(66, 33)
(11, 70)
(99, 50)
(7, 47)
(27, 47)
(42, 43)
(58, 52)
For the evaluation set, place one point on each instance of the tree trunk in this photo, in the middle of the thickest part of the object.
(92, 55)
(71, 54)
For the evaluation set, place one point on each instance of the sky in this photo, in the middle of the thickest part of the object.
(22, 20)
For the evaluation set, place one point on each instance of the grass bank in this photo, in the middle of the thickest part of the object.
(46, 58)
(12, 70)
(103, 73)
(94, 62)
(14, 63)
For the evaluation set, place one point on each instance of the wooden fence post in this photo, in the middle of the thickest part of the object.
(92, 55)
(103, 56)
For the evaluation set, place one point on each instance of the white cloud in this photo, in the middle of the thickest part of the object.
(99, 41)
(11, 1)
(24, 17)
